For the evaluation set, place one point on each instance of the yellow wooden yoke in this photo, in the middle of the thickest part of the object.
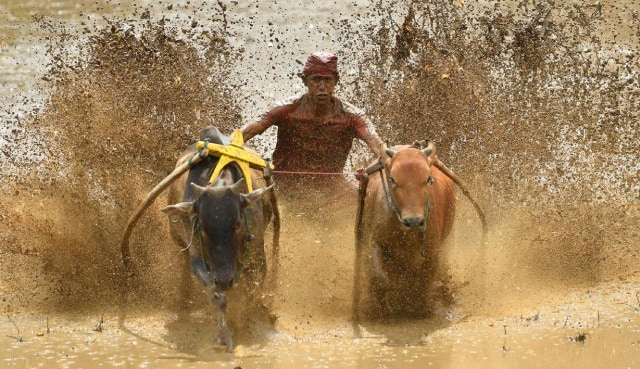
(234, 153)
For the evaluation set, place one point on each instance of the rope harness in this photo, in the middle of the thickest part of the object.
(363, 176)
(386, 184)
(308, 173)
(233, 153)
(387, 193)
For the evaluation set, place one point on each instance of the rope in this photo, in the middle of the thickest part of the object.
(199, 228)
(193, 231)
(199, 152)
(307, 173)
(388, 194)
(249, 239)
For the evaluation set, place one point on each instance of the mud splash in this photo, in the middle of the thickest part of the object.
(533, 104)
(530, 104)
(123, 107)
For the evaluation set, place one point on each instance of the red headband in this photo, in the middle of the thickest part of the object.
(321, 63)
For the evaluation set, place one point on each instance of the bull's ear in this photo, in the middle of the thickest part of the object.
(179, 210)
(250, 198)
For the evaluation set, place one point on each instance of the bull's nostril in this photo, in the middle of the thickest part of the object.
(413, 222)
(224, 283)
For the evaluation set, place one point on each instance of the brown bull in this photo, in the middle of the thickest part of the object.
(219, 223)
(406, 211)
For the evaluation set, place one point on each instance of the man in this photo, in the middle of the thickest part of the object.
(315, 129)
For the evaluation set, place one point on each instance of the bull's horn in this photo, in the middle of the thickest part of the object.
(250, 198)
(124, 245)
(198, 190)
(390, 152)
(430, 149)
(238, 186)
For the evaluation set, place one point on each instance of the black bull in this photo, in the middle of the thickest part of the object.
(222, 226)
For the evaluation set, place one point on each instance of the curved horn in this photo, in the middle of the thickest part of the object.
(198, 190)
(430, 149)
(390, 152)
(133, 219)
(238, 186)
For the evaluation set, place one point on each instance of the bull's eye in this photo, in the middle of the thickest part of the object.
(392, 181)
(430, 180)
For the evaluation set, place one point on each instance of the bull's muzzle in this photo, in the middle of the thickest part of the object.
(224, 283)
(413, 222)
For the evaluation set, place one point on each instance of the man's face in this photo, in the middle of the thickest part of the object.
(320, 88)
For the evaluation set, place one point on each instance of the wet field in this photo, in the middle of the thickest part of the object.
(580, 331)
(533, 105)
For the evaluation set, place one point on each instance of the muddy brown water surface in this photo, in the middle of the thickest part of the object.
(533, 104)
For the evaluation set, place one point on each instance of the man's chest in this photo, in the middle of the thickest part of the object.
(331, 128)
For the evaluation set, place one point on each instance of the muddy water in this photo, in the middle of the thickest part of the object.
(596, 329)
(556, 287)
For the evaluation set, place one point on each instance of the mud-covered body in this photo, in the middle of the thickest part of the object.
(217, 221)
(408, 211)
(222, 220)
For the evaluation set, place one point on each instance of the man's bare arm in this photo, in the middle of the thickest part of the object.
(250, 130)
(375, 144)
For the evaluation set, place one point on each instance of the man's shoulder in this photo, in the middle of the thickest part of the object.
(282, 108)
(289, 101)
(349, 108)
(356, 115)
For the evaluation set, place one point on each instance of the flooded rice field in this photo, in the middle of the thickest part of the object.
(534, 104)
(576, 333)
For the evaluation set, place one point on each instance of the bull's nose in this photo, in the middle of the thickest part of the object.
(413, 222)
(225, 283)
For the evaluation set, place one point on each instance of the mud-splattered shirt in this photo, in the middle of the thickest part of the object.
(309, 144)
